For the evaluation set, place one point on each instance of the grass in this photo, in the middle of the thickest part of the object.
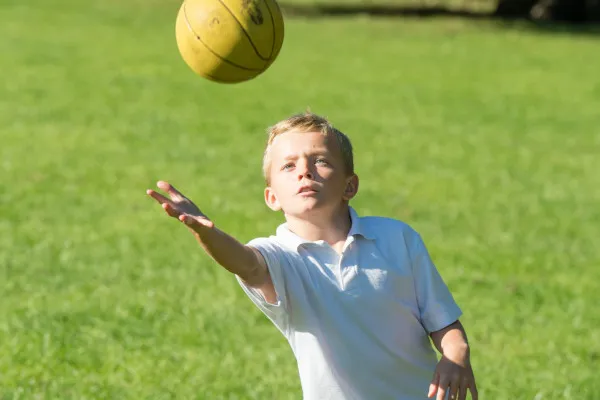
(482, 137)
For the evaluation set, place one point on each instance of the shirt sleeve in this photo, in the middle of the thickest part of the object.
(436, 304)
(275, 260)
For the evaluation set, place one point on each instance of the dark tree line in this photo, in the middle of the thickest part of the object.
(555, 10)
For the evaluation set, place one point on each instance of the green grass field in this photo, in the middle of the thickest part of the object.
(485, 138)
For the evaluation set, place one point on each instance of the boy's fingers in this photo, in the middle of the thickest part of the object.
(167, 187)
(453, 391)
(170, 210)
(433, 386)
(157, 196)
(162, 185)
(432, 390)
(193, 222)
(473, 390)
(442, 387)
(441, 392)
(462, 391)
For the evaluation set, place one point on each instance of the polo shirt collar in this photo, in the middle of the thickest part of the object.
(358, 227)
(295, 241)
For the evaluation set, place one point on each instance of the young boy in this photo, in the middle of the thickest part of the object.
(357, 298)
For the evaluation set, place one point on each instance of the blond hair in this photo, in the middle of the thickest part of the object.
(305, 123)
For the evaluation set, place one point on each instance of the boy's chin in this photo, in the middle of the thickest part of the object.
(308, 210)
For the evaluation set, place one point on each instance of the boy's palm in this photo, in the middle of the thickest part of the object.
(180, 207)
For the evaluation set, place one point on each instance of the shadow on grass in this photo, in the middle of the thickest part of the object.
(329, 10)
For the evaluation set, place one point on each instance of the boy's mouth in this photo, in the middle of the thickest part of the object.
(306, 190)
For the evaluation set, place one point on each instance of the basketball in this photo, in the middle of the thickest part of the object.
(229, 41)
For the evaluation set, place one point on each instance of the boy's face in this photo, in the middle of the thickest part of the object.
(307, 175)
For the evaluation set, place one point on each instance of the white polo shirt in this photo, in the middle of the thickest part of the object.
(358, 322)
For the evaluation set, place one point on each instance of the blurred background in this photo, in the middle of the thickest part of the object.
(476, 122)
(571, 11)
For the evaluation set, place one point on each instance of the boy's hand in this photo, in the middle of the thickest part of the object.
(453, 375)
(241, 260)
(180, 207)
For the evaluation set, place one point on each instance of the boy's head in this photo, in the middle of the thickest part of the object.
(305, 123)
(308, 165)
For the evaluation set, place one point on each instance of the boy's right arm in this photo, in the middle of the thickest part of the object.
(243, 261)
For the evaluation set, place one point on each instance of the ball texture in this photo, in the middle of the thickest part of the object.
(229, 41)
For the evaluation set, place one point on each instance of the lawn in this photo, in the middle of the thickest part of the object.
(484, 137)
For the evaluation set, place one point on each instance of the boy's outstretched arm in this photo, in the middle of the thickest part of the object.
(453, 374)
(241, 260)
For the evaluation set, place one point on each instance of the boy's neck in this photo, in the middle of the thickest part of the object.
(332, 228)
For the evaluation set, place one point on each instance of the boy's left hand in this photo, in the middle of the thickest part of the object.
(453, 375)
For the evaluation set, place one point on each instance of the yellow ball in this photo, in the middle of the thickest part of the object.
(229, 41)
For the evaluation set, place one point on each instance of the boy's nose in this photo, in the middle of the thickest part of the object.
(305, 174)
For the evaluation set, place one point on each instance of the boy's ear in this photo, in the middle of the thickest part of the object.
(351, 187)
(271, 199)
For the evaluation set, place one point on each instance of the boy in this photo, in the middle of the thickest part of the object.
(357, 298)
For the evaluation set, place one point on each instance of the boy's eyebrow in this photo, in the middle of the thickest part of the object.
(318, 151)
(312, 152)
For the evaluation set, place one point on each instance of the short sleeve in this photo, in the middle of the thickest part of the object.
(436, 304)
(274, 258)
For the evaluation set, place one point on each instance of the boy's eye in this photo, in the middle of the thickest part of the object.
(287, 166)
(321, 161)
